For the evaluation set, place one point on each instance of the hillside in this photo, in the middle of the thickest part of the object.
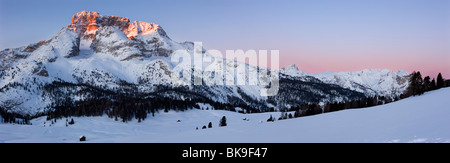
(415, 119)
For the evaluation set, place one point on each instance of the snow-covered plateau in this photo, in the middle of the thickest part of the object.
(416, 119)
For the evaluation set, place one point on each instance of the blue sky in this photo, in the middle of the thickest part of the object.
(317, 35)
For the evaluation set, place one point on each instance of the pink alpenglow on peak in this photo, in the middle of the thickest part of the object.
(141, 28)
(86, 23)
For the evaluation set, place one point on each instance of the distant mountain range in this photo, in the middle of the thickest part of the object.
(372, 82)
(98, 56)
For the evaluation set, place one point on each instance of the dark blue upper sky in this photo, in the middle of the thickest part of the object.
(394, 34)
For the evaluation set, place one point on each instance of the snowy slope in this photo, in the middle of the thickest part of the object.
(94, 50)
(416, 119)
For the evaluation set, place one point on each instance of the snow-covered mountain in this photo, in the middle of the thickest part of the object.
(99, 57)
(371, 82)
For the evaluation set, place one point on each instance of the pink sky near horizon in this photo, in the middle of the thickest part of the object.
(428, 65)
(318, 65)
(317, 60)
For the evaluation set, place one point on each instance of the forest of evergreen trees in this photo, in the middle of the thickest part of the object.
(124, 103)
(9, 117)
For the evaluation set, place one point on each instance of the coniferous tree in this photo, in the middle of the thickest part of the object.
(439, 81)
(223, 122)
(297, 113)
(326, 108)
(354, 104)
(427, 83)
(283, 115)
(209, 125)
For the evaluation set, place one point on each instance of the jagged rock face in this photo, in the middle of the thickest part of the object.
(141, 28)
(86, 23)
(65, 43)
(106, 32)
(10, 56)
(122, 23)
(109, 40)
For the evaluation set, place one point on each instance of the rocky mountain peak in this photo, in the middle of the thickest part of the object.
(292, 70)
(122, 23)
(141, 28)
(85, 23)
(290, 67)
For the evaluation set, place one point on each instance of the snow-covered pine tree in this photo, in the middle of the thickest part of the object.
(223, 122)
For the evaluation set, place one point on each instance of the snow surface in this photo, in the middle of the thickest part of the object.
(416, 119)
